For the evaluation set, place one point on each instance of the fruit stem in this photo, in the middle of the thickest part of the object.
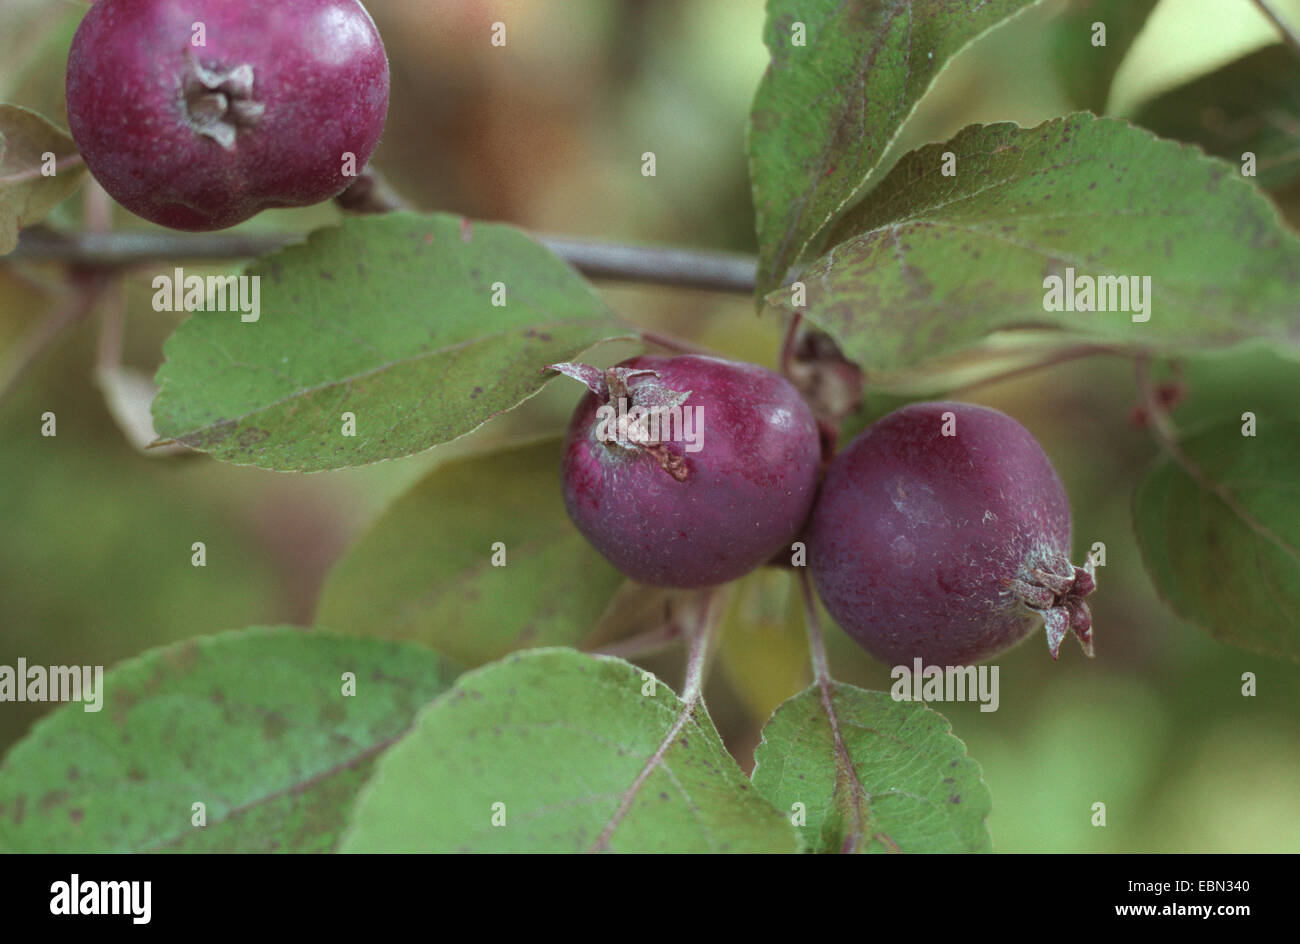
(1054, 359)
(813, 623)
(846, 773)
(370, 193)
(112, 328)
(789, 343)
(702, 628)
(702, 633)
(651, 641)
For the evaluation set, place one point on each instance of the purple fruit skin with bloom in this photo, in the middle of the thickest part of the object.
(949, 549)
(740, 500)
(204, 137)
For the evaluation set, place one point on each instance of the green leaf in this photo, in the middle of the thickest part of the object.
(1220, 533)
(933, 264)
(1252, 104)
(387, 317)
(895, 779)
(26, 193)
(826, 112)
(1087, 71)
(425, 570)
(251, 723)
(579, 759)
(1218, 387)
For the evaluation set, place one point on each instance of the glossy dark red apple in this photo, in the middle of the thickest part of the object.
(690, 514)
(198, 114)
(947, 548)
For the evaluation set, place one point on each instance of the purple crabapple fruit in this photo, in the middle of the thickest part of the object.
(947, 548)
(711, 474)
(198, 114)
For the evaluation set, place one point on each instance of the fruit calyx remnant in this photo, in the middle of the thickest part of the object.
(629, 425)
(1055, 590)
(219, 103)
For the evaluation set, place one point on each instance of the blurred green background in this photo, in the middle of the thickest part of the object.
(548, 133)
